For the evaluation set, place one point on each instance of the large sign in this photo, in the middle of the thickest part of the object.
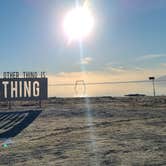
(26, 88)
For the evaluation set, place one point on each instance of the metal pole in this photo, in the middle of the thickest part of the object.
(154, 92)
(153, 79)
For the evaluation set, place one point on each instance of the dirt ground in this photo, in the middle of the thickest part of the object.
(91, 132)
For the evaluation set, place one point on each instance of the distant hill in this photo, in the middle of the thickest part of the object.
(135, 95)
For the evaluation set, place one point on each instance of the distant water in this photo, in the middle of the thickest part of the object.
(109, 90)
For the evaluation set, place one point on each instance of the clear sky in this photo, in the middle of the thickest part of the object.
(129, 36)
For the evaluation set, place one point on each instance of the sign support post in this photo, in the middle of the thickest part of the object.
(9, 105)
(40, 103)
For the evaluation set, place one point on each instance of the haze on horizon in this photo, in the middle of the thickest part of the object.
(127, 43)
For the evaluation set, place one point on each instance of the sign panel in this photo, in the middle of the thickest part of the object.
(23, 89)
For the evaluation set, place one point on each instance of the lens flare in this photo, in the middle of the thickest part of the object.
(78, 23)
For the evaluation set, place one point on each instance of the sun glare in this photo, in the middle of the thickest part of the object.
(78, 23)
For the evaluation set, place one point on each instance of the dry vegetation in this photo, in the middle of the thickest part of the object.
(95, 131)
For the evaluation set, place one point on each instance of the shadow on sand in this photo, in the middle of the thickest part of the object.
(12, 123)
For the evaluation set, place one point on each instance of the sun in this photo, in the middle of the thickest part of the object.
(78, 23)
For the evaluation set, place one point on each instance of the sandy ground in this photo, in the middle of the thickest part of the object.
(93, 131)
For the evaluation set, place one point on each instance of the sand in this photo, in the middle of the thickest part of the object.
(93, 131)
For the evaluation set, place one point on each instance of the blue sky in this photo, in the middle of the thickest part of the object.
(128, 34)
